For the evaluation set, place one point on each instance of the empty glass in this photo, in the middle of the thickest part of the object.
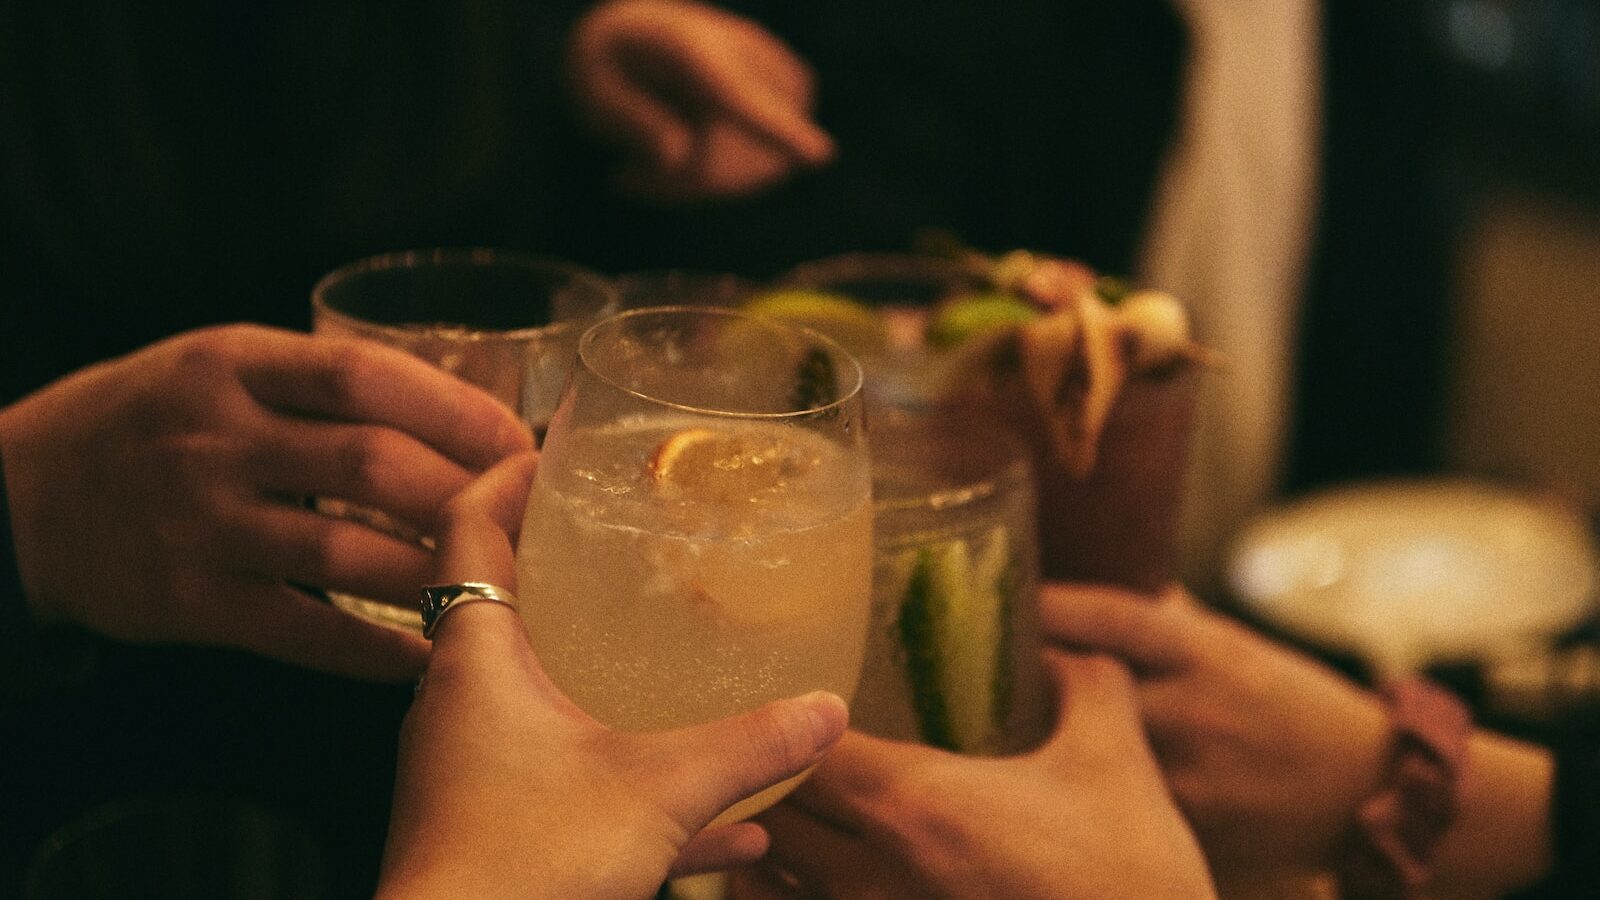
(505, 321)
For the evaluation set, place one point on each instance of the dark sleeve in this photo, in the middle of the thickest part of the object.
(34, 662)
(16, 620)
(1575, 821)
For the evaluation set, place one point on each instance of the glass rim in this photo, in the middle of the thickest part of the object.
(1016, 471)
(875, 265)
(670, 273)
(853, 393)
(396, 260)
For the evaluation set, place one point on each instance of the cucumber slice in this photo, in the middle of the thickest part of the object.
(995, 571)
(955, 627)
(922, 617)
(816, 382)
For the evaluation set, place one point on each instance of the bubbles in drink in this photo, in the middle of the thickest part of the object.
(685, 572)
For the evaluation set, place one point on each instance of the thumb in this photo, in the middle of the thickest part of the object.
(1104, 619)
(705, 769)
(779, 121)
(1099, 704)
(475, 526)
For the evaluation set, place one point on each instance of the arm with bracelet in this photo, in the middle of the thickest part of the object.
(1455, 812)
(1285, 767)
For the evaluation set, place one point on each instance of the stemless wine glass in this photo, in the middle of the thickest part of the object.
(698, 540)
(505, 321)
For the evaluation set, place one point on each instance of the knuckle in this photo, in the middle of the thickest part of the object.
(938, 840)
(361, 456)
(209, 509)
(779, 741)
(211, 349)
(202, 470)
(345, 372)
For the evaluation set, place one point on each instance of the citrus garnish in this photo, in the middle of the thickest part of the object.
(715, 466)
(1073, 366)
(965, 317)
(1158, 332)
(854, 325)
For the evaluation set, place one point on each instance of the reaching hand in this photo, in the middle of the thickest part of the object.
(1084, 817)
(1267, 751)
(160, 497)
(506, 789)
(703, 103)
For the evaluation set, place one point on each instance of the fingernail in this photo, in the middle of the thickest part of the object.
(812, 148)
(828, 716)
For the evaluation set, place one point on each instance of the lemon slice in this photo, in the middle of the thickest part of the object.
(854, 325)
(715, 466)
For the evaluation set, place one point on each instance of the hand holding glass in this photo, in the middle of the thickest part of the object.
(504, 321)
(698, 540)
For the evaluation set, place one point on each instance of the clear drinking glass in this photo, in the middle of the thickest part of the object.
(681, 287)
(953, 653)
(1119, 524)
(505, 321)
(698, 540)
(902, 289)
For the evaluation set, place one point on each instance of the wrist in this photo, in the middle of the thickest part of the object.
(1390, 848)
(1502, 839)
(1351, 760)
